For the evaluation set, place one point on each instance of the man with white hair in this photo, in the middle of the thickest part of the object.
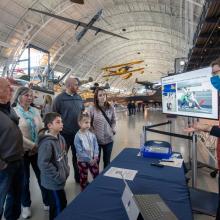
(69, 105)
(11, 155)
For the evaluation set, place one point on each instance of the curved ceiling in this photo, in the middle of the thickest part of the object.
(158, 30)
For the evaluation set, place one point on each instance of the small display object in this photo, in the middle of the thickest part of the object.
(156, 149)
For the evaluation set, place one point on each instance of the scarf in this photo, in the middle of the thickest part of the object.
(29, 118)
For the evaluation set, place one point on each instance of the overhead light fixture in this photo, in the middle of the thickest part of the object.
(182, 62)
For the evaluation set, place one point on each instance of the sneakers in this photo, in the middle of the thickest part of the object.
(26, 212)
(46, 207)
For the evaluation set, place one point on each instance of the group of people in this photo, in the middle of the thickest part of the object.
(27, 139)
(133, 108)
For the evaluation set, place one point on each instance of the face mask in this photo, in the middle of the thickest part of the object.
(215, 80)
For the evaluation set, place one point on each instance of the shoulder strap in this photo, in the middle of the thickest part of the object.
(91, 112)
(105, 116)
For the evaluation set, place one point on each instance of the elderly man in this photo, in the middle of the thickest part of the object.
(11, 154)
(69, 105)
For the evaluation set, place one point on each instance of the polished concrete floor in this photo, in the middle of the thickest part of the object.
(128, 135)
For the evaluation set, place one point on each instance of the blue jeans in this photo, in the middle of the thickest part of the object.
(26, 198)
(107, 150)
(57, 202)
(11, 181)
(70, 143)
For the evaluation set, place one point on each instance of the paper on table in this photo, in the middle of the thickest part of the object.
(117, 172)
(176, 163)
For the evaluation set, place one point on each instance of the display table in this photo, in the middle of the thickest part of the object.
(102, 198)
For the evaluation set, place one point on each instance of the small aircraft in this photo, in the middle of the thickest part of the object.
(82, 24)
(96, 85)
(123, 64)
(124, 70)
(149, 85)
(78, 1)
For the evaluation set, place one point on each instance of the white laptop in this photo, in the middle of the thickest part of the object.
(145, 206)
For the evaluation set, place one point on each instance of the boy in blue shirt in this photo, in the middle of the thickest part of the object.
(87, 150)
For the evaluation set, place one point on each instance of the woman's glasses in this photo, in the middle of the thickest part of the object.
(217, 72)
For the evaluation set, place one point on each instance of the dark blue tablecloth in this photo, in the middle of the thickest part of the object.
(101, 200)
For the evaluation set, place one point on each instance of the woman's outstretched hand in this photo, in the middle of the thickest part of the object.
(198, 127)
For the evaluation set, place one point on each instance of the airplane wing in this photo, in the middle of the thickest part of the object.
(123, 64)
(136, 70)
(113, 73)
(78, 23)
(109, 75)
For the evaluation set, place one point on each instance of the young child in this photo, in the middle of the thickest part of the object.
(87, 150)
(53, 164)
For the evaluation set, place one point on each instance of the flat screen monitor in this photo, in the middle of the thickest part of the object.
(190, 94)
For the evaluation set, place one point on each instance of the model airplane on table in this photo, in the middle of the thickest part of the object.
(86, 26)
(124, 70)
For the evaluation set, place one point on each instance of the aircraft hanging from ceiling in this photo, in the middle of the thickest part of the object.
(149, 85)
(78, 1)
(124, 70)
(86, 26)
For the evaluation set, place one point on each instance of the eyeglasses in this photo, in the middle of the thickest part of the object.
(216, 72)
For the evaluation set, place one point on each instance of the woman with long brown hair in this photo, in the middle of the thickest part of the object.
(103, 123)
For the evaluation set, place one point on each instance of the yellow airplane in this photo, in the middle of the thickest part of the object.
(123, 64)
(124, 69)
(125, 74)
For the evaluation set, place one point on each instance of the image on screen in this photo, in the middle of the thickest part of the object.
(190, 94)
(169, 97)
